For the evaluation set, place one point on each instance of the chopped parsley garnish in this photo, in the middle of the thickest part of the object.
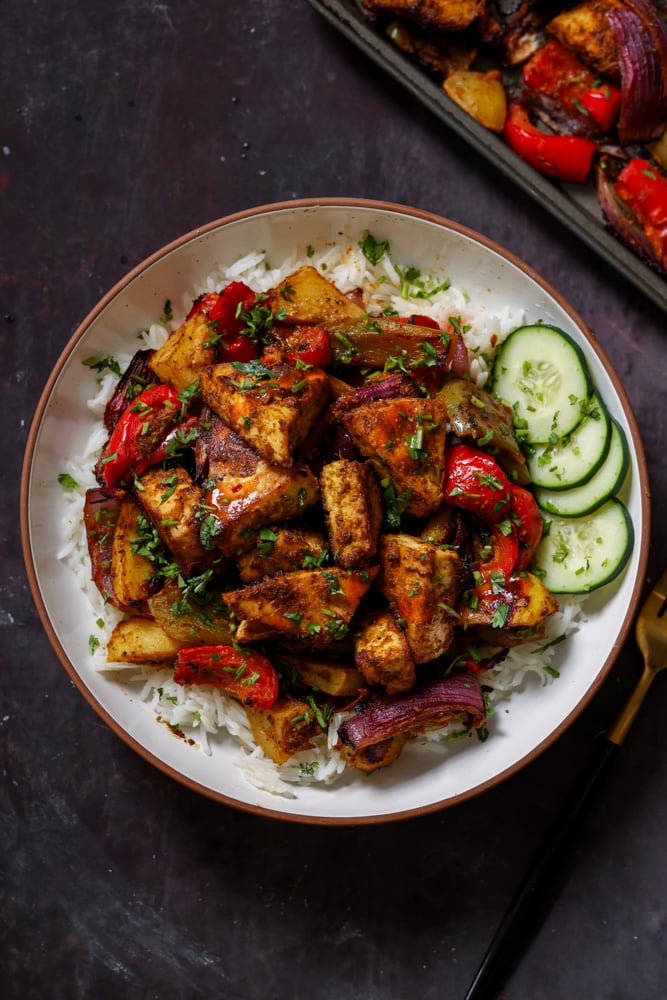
(102, 365)
(67, 481)
(372, 249)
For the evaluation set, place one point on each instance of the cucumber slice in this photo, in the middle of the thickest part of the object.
(572, 460)
(580, 554)
(601, 486)
(542, 374)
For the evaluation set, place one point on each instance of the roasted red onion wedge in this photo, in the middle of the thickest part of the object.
(394, 386)
(621, 219)
(641, 41)
(430, 705)
(137, 376)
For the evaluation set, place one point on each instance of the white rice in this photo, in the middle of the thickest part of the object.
(202, 713)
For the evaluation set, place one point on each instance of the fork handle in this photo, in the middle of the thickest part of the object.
(523, 916)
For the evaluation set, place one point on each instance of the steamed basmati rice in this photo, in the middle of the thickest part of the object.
(202, 713)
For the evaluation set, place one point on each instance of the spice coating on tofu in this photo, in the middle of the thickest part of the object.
(352, 511)
(271, 407)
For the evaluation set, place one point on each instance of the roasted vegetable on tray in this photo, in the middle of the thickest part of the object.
(579, 91)
(316, 510)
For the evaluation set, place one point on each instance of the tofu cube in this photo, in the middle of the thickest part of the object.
(174, 504)
(281, 550)
(382, 653)
(271, 407)
(352, 510)
(315, 606)
(245, 493)
(405, 440)
(585, 30)
(422, 584)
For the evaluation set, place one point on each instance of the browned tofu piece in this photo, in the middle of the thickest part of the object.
(248, 632)
(307, 297)
(376, 755)
(271, 407)
(352, 511)
(586, 31)
(444, 15)
(382, 653)
(422, 584)
(284, 729)
(132, 575)
(245, 492)
(282, 550)
(330, 676)
(524, 603)
(313, 605)
(405, 440)
(140, 640)
(185, 353)
(174, 505)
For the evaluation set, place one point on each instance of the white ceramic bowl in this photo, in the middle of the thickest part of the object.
(418, 782)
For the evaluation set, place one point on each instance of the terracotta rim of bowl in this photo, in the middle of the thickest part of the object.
(298, 205)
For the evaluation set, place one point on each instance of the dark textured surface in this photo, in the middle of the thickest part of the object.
(123, 125)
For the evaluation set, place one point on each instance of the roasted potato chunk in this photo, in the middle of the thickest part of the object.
(330, 676)
(307, 297)
(271, 407)
(352, 510)
(184, 354)
(405, 440)
(132, 574)
(524, 603)
(422, 584)
(284, 729)
(482, 95)
(140, 640)
(382, 653)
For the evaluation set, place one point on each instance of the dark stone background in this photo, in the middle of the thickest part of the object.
(124, 124)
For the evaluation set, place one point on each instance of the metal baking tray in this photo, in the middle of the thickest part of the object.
(574, 205)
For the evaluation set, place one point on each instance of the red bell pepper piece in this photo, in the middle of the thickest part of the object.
(317, 352)
(475, 482)
(224, 309)
(602, 104)
(644, 190)
(476, 664)
(504, 544)
(565, 157)
(556, 73)
(416, 319)
(140, 431)
(526, 516)
(243, 673)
